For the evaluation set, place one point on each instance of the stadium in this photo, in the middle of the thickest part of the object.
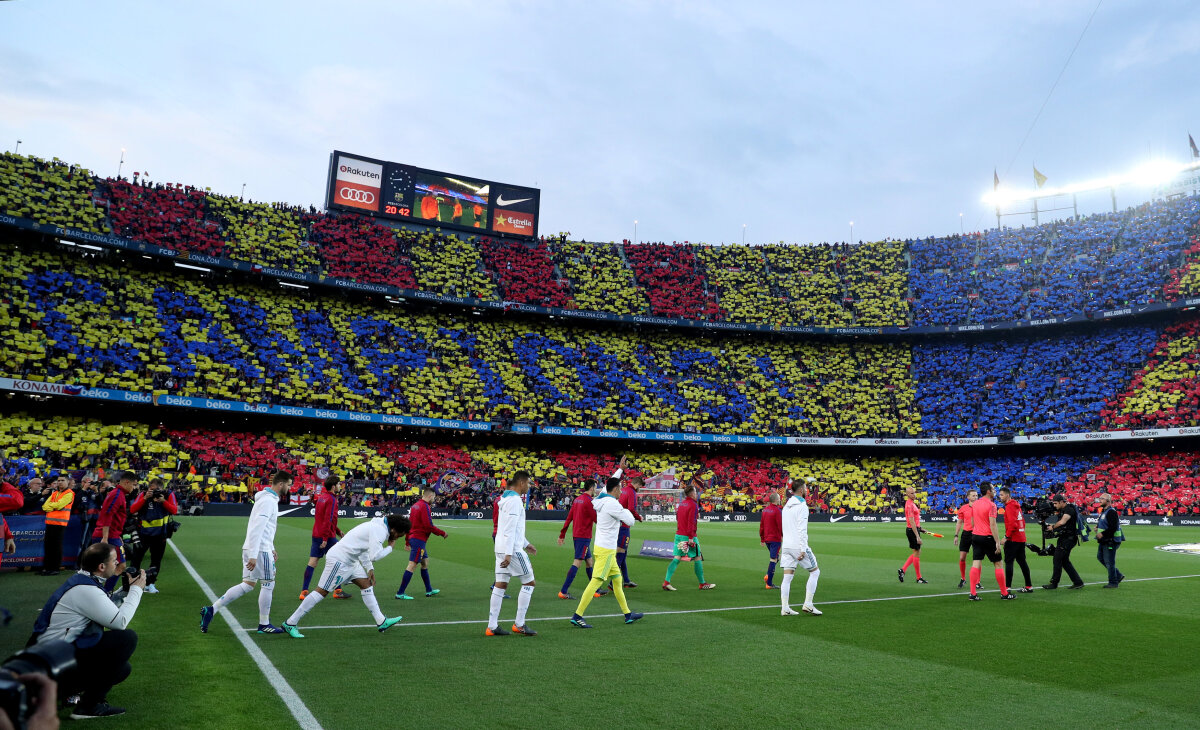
(201, 363)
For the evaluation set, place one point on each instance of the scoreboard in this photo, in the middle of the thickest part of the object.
(360, 184)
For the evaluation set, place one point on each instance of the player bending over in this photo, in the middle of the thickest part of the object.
(610, 515)
(258, 557)
(770, 534)
(986, 541)
(511, 561)
(354, 559)
(687, 514)
(325, 532)
(797, 552)
(422, 528)
(912, 524)
(584, 516)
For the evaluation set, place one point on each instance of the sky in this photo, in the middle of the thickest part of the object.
(694, 118)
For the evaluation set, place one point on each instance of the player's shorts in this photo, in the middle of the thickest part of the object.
(264, 566)
(623, 536)
(337, 573)
(316, 551)
(789, 558)
(116, 542)
(606, 564)
(692, 552)
(912, 538)
(583, 548)
(416, 550)
(984, 546)
(519, 568)
(773, 549)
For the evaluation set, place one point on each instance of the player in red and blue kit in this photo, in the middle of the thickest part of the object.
(111, 523)
(418, 536)
(770, 533)
(627, 500)
(583, 515)
(325, 532)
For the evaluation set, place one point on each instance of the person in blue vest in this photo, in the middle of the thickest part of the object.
(1109, 539)
(78, 613)
(153, 510)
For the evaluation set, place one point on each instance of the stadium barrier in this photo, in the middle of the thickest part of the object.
(29, 533)
(148, 249)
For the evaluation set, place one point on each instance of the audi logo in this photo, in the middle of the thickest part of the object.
(358, 196)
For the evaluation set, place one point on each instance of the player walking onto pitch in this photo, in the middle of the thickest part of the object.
(354, 559)
(629, 501)
(511, 561)
(583, 515)
(325, 531)
(610, 515)
(986, 542)
(912, 524)
(422, 528)
(770, 533)
(687, 514)
(797, 552)
(258, 557)
(962, 535)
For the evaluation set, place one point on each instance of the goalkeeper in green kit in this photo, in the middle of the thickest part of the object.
(687, 514)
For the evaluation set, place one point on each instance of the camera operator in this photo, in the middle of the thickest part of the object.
(153, 510)
(78, 612)
(1066, 530)
(1109, 539)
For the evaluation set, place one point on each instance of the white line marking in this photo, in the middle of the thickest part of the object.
(726, 608)
(294, 704)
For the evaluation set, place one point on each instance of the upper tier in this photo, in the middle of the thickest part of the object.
(1143, 256)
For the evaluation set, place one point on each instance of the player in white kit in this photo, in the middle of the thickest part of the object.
(795, 550)
(512, 563)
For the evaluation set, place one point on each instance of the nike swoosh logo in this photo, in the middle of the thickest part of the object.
(501, 201)
(837, 519)
(289, 511)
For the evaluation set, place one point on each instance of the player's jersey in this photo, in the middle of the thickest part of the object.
(510, 530)
(912, 515)
(1014, 522)
(686, 517)
(325, 519)
(771, 527)
(113, 514)
(422, 522)
(629, 500)
(582, 516)
(610, 515)
(260, 531)
(364, 544)
(795, 524)
(966, 517)
(985, 515)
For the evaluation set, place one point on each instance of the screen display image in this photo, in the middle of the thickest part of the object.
(447, 199)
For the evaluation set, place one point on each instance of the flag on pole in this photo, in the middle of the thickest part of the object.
(1192, 142)
(1038, 177)
(995, 180)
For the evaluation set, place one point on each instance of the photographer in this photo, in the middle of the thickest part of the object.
(78, 612)
(1109, 539)
(153, 511)
(1066, 531)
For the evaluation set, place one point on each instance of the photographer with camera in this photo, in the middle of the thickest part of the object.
(1066, 533)
(1109, 539)
(153, 510)
(29, 686)
(78, 613)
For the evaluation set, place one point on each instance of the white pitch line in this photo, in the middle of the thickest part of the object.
(295, 705)
(720, 609)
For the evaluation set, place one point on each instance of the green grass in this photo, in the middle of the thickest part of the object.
(875, 663)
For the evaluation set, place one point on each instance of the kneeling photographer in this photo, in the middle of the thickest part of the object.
(78, 613)
(153, 510)
(1066, 533)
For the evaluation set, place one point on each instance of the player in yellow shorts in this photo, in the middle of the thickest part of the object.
(610, 515)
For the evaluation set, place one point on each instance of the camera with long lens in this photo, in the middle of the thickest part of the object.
(54, 659)
(1042, 509)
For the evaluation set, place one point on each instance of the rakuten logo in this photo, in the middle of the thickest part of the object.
(366, 171)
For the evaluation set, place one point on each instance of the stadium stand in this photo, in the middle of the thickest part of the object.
(270, 235)
(361, 250)
(738, 275)
(600, 281)
(164, 215)
(51, 191)
(669, 277)
(1165, 391)
(450, 266)
(525, 273)
(807, 278)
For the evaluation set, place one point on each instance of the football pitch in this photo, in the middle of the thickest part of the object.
(884, 654)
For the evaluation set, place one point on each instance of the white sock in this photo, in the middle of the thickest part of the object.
(231, 595)
(372, 604)
(811, 589)
(523, 603)
(785, 590)
(497, 601)
(310, 601)
(266, 589)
